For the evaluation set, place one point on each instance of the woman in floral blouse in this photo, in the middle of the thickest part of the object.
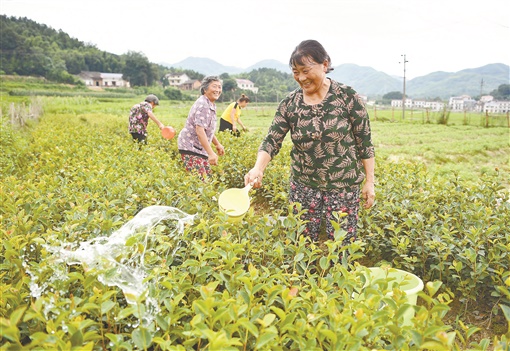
(194, 141)
(332, 152)
(139, 118)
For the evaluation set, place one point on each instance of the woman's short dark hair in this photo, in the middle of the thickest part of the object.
(310, 50)
(206, 82)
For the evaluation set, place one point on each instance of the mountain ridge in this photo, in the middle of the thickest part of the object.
(369, 81)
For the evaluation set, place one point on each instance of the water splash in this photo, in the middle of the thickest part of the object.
(111, 259)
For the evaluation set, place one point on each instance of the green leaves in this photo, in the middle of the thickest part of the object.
(258, 284)
(142, 338)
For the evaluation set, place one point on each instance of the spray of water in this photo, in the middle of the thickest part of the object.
(110, 256)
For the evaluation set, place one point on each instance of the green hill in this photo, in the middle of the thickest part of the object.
(473, 82)
(28, 48)
(365, 80)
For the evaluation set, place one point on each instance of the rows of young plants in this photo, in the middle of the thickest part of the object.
(257, 285)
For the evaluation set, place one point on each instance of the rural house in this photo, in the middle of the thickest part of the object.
(104, 80)
(487, 104)
(182, 81)
(176, 79)
(419, 104)
(246, 84)
(192, 84)
(496, 107)
(461, 103)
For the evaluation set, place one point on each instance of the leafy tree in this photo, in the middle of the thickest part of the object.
(229, 84)
(75, 61)
(393, 95)
(29, 48)
(165, 81)
(173, 94)
(502, 92)
(138, 70)
(228, 87)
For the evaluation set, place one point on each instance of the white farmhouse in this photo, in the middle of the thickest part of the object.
(246, 84)
(103, 80)
(419, 104)
(176, 79)
(497, 107)
(461, 103)
(398, 103)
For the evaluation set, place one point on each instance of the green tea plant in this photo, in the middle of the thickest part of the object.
(76, 177)
(444, 229)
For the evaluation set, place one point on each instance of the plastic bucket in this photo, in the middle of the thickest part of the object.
(409, 283)
(235, 203)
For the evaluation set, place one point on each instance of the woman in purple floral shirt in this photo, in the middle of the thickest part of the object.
(332, 152)
(194, 141)
(139, 118)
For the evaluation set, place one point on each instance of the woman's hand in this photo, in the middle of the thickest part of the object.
(368, 194)
(220, 149)
(213, 159)
(254, 177)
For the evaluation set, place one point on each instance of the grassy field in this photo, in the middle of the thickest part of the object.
(466, 150)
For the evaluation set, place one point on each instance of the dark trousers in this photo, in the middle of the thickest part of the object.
(226, 125)
(139, 138)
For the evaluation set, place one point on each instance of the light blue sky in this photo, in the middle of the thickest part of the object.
(436, 35)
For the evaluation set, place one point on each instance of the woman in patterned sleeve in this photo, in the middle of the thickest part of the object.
(332, 155)
(194, 141)
(139, 118)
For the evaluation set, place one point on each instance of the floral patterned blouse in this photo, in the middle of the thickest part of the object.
(330, 139)
(202, 113)
(139, 118)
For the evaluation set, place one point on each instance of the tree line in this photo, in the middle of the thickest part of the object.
(28, 48)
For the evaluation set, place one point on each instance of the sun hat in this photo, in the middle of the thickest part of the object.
(152, 98)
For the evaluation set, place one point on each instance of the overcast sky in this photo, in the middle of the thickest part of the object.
(435, 35)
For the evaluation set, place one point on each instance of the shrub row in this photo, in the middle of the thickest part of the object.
(257, 285)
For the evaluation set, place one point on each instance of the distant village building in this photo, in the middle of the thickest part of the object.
(461, 103)
(486, 98)
(246, 84)
(486, 104)
(192, 84)
(496, 107)
(398, 103)
(176, 79)
(429, 105)
(182, 81)
(419, 104)
(103, 80)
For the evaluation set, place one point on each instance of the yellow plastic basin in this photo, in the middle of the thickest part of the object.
(235, 203)
(409, 283)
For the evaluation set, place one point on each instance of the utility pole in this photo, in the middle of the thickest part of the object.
(480, 102)
(404, 92)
